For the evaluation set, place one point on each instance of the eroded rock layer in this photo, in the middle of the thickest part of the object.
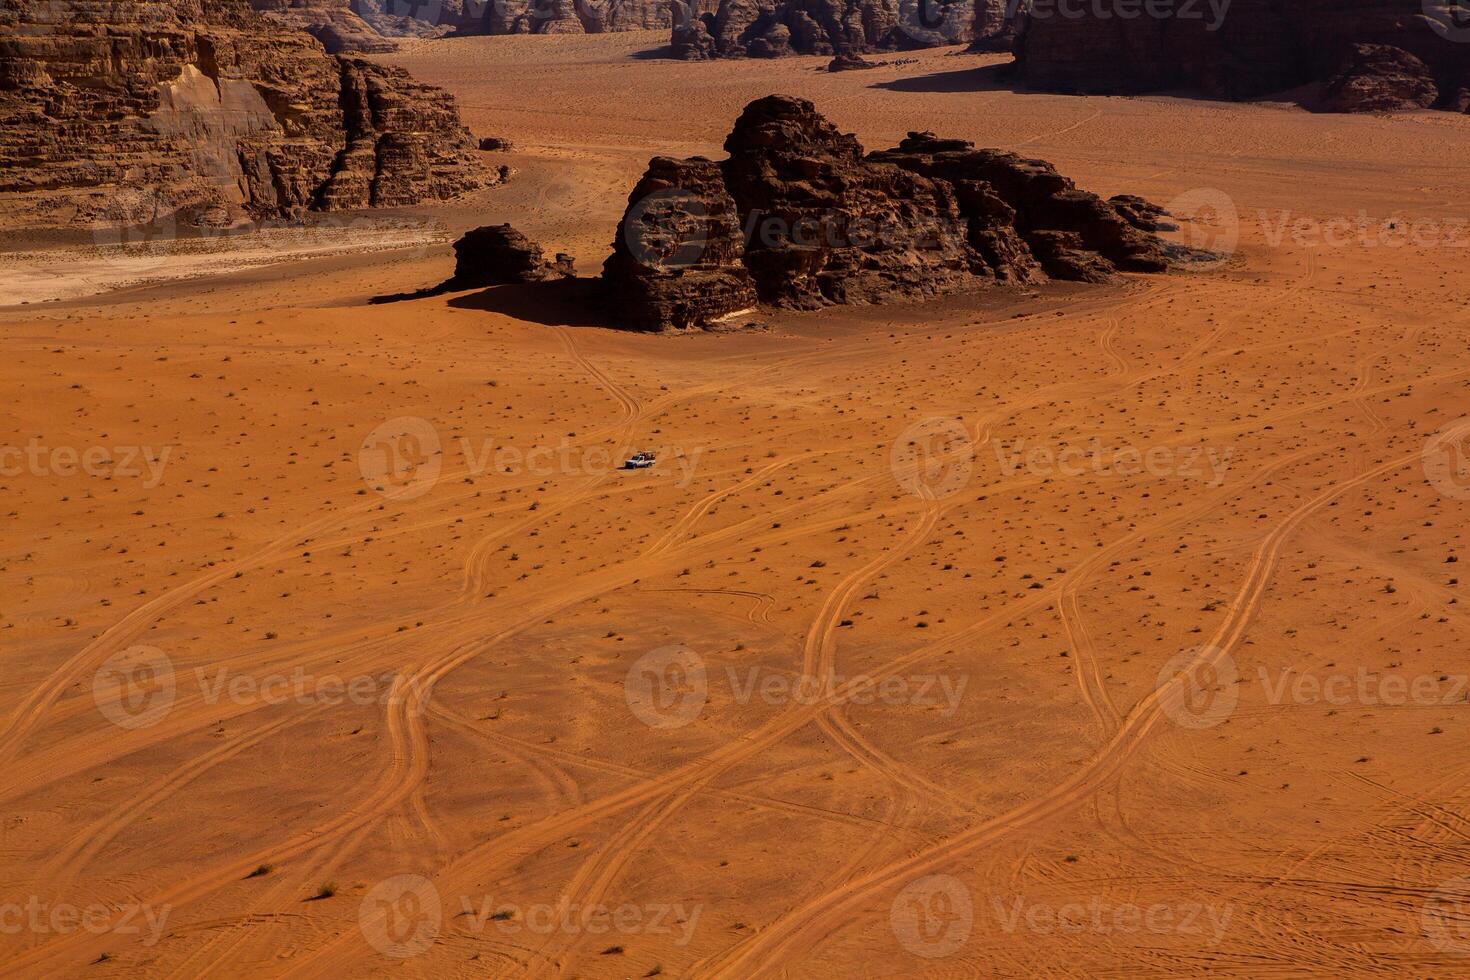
(1369, 55)
(799, 218)
(774, 28)
(123, 110)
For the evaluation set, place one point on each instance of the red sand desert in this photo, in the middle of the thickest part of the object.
(1084, 630)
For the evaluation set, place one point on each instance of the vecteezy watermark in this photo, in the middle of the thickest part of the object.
(1198, 687)
(135, 688)
(404, 915)
(1445, 917)
(933, 458)
(669, 688)
(1362, 230)
(1099, 917)
(38, 917)
(933, 916)
(1363, 687)
(1212, 12)
(109, 462)
(1205, 463)
(403, 458)
(1446, 459)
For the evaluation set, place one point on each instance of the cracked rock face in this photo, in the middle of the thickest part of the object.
(798, 217)
(123, 110)
(1366, 55)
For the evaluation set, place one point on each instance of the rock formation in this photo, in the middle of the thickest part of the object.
(498, 254)
(678, 259)
(851, 62)
(121, 110)
(798, 217)
(331, 22)
(1368, 56)
(773, 28)
(1380, 78)
(995, 25)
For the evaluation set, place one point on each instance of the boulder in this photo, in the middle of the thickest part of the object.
(850, 62)
(1380, 78)
(497, 255)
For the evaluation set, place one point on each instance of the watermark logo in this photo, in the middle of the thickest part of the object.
(1198, 687)
(933, 458)
(667, 230)
(935, 22)
(1445, 917)
(932, 917)
(667, 687)
(402, 458)
(1213, 221)
(1446, 459)
(1450, 19)
(135, 688)
(401, 916)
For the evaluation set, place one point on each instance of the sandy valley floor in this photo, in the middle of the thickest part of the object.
(334, 646)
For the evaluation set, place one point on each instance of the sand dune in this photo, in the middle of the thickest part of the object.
(1089, 631)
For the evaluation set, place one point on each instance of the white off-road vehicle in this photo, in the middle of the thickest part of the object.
(639, 461)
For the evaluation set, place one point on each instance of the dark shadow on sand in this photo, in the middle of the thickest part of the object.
(664, 53)
(989, 78)
(557, 303)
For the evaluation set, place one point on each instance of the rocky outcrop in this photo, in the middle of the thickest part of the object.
(1380, 78)
(498, 254)
(678, 258)
(1366, 55)
(773, 28)
(120, 110)
(851, 62)
(332, 22)
(799, 218)
(995, 25)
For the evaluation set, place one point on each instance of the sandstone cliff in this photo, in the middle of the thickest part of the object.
(1371, 54)
(204, 107)
(798, 217)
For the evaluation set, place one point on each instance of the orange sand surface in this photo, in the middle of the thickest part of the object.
(336, 645)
